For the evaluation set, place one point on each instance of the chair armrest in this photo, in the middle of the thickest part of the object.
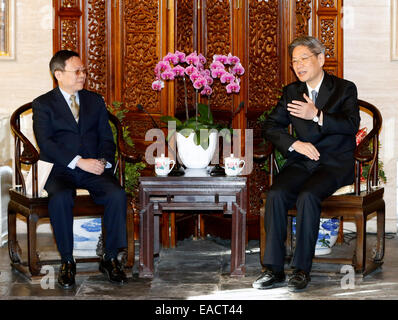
(29, 155)
(262, 151)
(363, 153)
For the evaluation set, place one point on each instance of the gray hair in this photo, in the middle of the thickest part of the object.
(313, 44)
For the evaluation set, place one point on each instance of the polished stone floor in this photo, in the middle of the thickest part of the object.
(199, 270)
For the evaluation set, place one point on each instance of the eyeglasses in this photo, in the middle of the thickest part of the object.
(303, 60)
(77, 72)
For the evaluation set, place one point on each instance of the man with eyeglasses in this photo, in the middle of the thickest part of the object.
(324, 113)
(72, 130)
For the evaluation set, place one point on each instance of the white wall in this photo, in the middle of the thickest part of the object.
(26, 77)
(367, 62)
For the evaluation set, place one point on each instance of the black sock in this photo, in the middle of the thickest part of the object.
(110, 255)
(67, 258)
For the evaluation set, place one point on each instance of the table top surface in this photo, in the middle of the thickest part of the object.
(194, 175)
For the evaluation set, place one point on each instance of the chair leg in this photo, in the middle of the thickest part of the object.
(360, 250)
(380, 234)
(262, 234)
(289, 237)
(130, 238)
(13, 248)
(33, 258)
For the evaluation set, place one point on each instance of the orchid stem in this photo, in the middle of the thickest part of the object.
(196, 109)
(186, 98)
(208, 107)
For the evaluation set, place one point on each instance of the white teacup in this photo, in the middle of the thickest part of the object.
(162, 165)
(233, 166)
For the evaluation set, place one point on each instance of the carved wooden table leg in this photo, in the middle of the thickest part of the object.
(146, 241)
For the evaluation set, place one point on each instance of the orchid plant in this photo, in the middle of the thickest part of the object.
(178, 65)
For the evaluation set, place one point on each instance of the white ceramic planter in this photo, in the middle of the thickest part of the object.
(194, 156)
(327, 236)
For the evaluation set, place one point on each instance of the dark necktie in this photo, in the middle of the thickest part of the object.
(74, 107)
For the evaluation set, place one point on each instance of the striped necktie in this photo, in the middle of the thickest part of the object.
(74, 107)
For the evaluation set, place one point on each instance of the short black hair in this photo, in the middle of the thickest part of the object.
(57, 62)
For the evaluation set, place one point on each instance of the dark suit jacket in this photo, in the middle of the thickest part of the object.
(61, 139)
(335, 139)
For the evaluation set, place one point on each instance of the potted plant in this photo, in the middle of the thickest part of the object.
(197, 136)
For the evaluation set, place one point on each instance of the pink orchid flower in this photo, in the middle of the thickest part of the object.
(217, 73)
(199, 83)
(179, 71)
(220, 58)
(238, 69)
(227, 78)
(190, 69)
(180, 55)
(157, 85)
(202, 59)
(233, 87)
(167, 75)
(217, 65)
(192, 58)
(232, 59)
(171, 57)
(206, 91)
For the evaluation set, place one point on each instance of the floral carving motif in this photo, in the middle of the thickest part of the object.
(140, 21)
(69, 35)
(184, 44)
(327, 3)
(69, 4)
(327, 36)
(264, 65)
(303, 14)
(218, 42)
(96, 46)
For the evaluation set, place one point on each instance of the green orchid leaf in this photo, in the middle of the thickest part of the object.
(166, 119)
(205, 115)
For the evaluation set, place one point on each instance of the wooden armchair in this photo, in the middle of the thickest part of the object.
(34, 207)
(357, 206)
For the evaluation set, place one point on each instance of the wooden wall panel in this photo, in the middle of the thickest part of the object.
(327, 17)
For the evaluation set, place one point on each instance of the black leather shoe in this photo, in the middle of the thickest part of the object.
(269, 279)
(298, 281)
(66, 275)
(113, 270)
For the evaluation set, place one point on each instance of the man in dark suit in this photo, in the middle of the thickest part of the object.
(72, 130)
(324, 112)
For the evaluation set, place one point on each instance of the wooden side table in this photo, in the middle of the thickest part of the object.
(203, 193)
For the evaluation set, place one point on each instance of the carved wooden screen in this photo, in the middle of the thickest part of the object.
(82, 26)
(327, 17)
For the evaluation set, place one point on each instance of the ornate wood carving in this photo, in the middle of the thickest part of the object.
(70, 34)
(327, 27)
(303, 14)
(327, 35)
(264, 66)
(218, 41)
(69, 4)
(327, 3)
(184, 43)
(141, 29)
(96, 46)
